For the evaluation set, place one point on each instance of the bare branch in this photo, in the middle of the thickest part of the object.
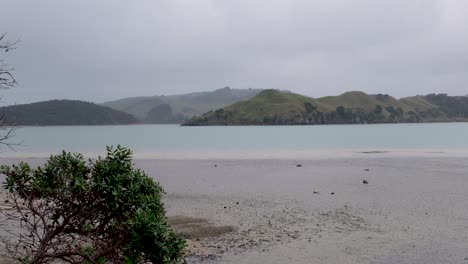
(7, 130)
(7, 80)
(7, 45)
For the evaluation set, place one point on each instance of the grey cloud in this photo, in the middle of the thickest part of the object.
(104, 50)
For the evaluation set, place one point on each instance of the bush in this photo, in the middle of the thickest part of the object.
(102, 211)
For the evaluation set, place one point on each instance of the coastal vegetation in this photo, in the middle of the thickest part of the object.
(268, 107)
(64, 112)
(274, 107)
(73, 211)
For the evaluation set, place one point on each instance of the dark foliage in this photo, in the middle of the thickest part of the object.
(104, 211)
(452, 106)
(65, 112)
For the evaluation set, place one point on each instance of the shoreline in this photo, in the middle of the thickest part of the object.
(246, 125)
(264, 154)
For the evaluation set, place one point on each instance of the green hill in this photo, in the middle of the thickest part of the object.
(178, 108)
(417, 103)
(64, 112)
(273, 107)
(268, 107)
(350, 100)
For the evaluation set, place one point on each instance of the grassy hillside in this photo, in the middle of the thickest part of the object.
(268, 103)
(361, 100)
(417, 103)
(182, 106)
(65, 112)
(265, 107)
(349, 100)
(273, 107)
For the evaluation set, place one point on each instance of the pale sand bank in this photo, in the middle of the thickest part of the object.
(414, 209)
(271, 154)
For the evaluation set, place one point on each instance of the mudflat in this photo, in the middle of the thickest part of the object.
(318, 210)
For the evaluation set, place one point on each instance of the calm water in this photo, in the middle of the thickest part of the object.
(149, 138)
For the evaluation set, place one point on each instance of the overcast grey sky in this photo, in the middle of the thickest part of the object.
(104, 50)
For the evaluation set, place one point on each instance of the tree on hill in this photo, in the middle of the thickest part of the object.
(309, 107)
(452, 106)
(378, 109)
(340, 110)
(71, 211)
(382, 97)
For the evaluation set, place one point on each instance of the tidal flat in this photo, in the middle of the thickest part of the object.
(412, 209)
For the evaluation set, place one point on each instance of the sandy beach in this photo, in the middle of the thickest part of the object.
(414, 209)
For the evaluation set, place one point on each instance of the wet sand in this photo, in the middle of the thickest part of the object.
(413, 209)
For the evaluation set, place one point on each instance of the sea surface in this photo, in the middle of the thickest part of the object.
(173, 138)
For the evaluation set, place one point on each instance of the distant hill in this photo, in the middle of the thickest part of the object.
(64, 112)
(273, 107)
(178, 108)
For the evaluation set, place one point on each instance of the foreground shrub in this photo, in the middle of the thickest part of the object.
(73, 211)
